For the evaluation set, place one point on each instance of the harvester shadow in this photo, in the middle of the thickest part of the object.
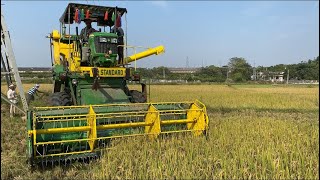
(65, 164)
(180, 135)
(86, 159)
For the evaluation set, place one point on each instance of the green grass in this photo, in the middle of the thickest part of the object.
(255, 133)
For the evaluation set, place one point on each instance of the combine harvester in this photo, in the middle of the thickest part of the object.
(91, 102)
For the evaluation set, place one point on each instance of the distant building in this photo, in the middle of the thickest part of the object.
(270, 76)
(276, 76)
(184, 70)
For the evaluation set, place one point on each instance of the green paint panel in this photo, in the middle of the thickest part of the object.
(103, 96)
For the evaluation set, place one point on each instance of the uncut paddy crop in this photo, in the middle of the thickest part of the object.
(220, 96)
(256, 132)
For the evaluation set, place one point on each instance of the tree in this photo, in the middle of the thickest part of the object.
(240, 70)
(305, 70)
(211, 74)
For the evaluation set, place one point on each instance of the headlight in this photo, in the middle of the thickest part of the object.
(74, 81)
(114, 40)
(102, 39)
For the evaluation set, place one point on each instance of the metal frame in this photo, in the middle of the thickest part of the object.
(11, 66)
(194, 116)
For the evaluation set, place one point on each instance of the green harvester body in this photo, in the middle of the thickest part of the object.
(91, 102)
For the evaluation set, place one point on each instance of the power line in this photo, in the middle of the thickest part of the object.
(187, 62)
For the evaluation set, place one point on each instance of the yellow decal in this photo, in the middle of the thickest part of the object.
(105, 72)
(111, 72)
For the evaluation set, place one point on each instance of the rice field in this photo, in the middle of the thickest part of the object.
(256, 132)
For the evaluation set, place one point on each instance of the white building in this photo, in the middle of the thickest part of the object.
(270, 76)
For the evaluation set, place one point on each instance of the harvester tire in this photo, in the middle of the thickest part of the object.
(60, 99)
(137, 97)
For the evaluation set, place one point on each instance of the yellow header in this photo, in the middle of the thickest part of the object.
(105, 72)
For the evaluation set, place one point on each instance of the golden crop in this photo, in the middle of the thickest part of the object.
(256, 132)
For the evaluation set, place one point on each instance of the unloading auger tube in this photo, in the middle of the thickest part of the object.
(151, 51)
(65, 134)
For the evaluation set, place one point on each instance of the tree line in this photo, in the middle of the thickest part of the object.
(237, 70)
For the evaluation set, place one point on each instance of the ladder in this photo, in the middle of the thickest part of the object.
(9, 66)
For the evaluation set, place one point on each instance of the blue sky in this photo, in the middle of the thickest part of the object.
(206, 33)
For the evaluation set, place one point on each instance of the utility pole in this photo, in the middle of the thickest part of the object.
(164, 73)
(227, 73)
(254, 71)
(187, 62)
(288, 77)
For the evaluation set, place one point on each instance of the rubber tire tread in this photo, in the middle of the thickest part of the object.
(137, 97)
(60, 99)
